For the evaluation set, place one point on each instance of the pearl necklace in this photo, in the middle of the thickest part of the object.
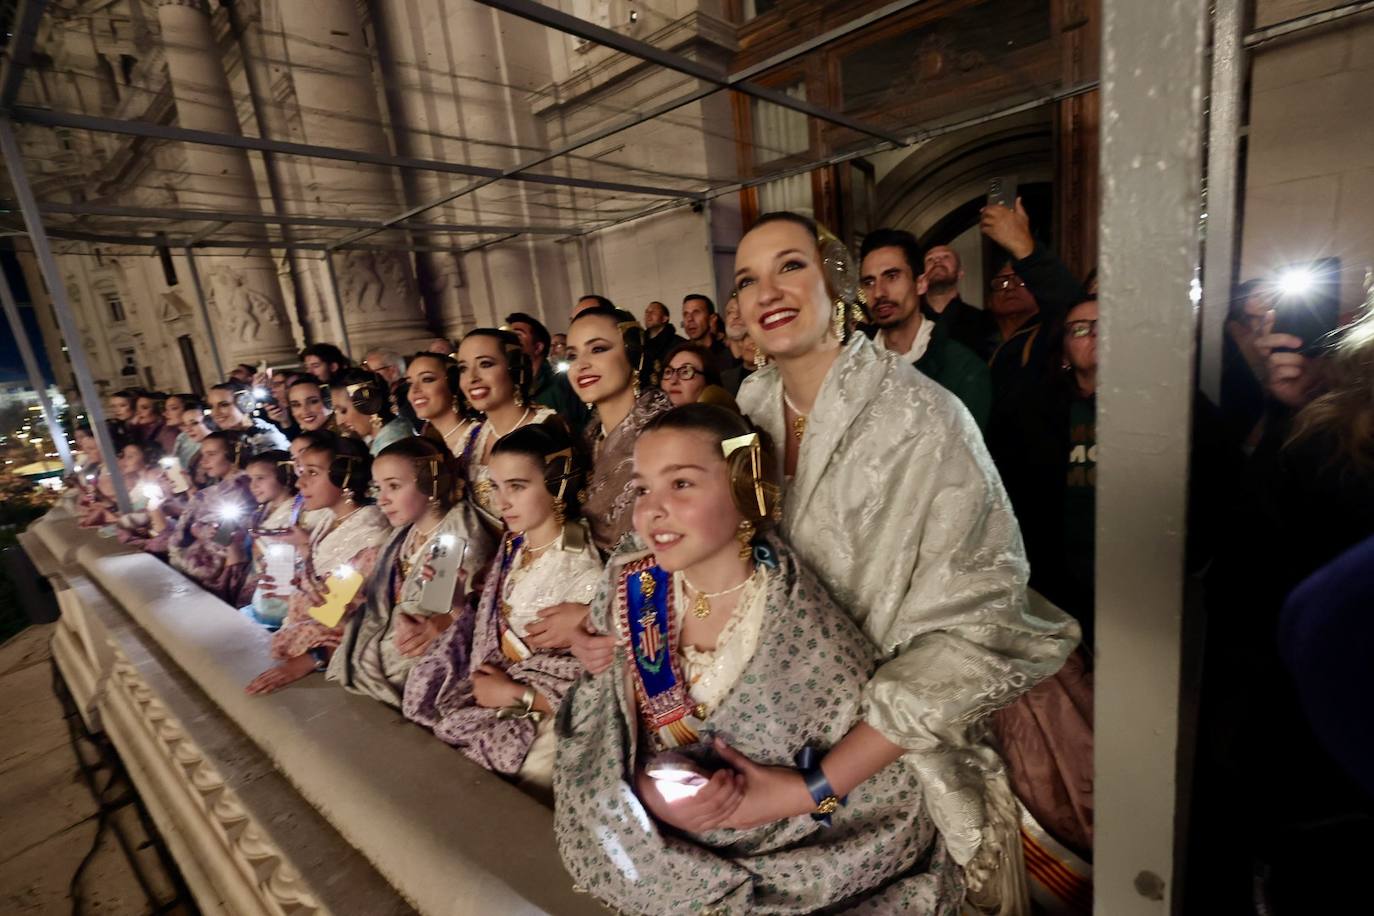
(798, 422)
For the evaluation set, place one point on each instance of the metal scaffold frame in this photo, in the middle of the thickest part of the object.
(1156, 74)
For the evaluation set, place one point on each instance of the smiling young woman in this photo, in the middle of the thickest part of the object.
(432, 388)
(894, 502)
(494, 373)
(605, 349)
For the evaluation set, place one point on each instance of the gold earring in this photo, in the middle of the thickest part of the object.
(759, 359)
(838, 319)
(560, 509)
(635, 385)
(745, 535)
(519, 398)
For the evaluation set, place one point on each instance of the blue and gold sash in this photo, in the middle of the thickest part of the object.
(512, 646)
(648, 618)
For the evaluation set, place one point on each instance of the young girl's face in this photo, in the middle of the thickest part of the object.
(131, 462)
(524, 501)
(683, 511)
(121, 409)
(314, 483)
(429, 391)
(484, 373)
(600, 369)
(349, 417)
(307, 406)
(87, 446)
(172, 409)
(214, 458)
(398, 491)
(193, 425)
(263, 482)
(146, 412)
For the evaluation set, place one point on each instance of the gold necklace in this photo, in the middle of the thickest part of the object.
(799, 421)
(701, 607)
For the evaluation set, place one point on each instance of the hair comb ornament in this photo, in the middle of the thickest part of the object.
(365, 398)
(751, 442)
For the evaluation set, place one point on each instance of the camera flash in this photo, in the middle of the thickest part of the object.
(168, 462)
(343, 572)
(261, 394)
(1296, 280)
(447, 540)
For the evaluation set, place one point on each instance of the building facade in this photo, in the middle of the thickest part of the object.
(460, 82)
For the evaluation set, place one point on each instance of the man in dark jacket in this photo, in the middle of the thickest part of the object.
(971, 326)
(547, 387)
(659, 338)
(888, 276)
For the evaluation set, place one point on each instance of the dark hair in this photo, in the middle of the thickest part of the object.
(518, 365)
(436, 470)
(306, 378)
(707, 362)
(235, 445)
(894, 238)
(631, 334)
(252, 370)
(188, 401)
(722, 424)
(151, 451)
(710, 306)
(281, 465)
(84, 428)
(450, 367)
(601, 301)
(128, 394)
(366, 392)
(554, 448)
(1239, 296)
(326, 353)
(242, 393)
(537, 329)
(350, 463)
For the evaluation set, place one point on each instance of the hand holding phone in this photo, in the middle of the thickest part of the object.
(436, 596)
(339, 588)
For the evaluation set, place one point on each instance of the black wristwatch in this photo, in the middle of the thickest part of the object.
(822, 793)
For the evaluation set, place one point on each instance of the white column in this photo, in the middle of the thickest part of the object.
(247, 297)
(336, 91)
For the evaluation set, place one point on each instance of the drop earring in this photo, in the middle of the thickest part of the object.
(838, 319)
(759, 359)
(560, 511)
(745, 536)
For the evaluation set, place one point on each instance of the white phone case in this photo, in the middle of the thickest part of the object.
(280, 567)
(436, 597)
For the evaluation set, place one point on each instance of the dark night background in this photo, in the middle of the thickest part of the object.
(11, 366)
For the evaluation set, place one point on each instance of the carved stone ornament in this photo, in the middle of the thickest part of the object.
(239, 837)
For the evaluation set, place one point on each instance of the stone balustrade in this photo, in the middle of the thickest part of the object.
(311, 800)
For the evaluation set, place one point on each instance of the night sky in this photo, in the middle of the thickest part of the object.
(11, 366)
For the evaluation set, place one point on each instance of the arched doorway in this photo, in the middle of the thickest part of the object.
(935, 191)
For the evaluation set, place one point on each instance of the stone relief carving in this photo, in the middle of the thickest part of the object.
(242, 311)
(362, 284)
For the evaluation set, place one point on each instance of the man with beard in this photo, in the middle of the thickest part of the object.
(888, 277)
(973, 327)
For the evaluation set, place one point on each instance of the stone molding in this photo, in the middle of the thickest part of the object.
(198, 5)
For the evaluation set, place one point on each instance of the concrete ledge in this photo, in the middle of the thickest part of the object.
(450, 837)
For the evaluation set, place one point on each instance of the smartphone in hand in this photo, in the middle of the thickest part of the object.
(436, 597)
(1002, 191)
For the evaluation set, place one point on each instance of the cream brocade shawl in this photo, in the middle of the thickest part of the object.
(897, 507)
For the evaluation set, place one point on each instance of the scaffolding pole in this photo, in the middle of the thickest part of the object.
(338, 310)
(21, 337)
(1223, 167)
(1153, 74)
(66, 320)
(204, 307)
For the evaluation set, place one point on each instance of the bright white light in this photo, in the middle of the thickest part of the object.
(261, 394)
(1296, 280)
(90, 477)
(280, 550)
(562, 366)
(168, 462)
(228, 512)
(676, 791)
(447, 540)
(152, 491)
(343, 572)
